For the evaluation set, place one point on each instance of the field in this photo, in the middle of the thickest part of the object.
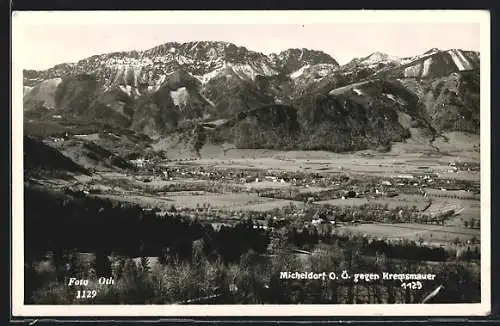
(428, 234)
(192, 200)
(399, 201)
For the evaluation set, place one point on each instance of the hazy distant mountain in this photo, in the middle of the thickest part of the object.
(435, 64)
(366, 103)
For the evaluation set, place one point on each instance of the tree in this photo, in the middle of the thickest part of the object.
(102, 264)
(130, 271)
(120, 267)
(144, 267)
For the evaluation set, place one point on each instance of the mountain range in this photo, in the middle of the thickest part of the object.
(217, 92)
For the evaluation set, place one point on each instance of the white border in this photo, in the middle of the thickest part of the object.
(245, 17)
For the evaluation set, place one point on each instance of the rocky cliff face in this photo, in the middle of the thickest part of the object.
(292, 60)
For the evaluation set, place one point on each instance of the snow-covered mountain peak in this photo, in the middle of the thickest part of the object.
(377, 57)
(432, 51)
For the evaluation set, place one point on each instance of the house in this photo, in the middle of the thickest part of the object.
(317, 221)
(405, 176)
(260, 226)
(140, 162)
(271, 178)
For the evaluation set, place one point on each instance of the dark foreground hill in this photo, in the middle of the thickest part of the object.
(365, 115)
(39, 156)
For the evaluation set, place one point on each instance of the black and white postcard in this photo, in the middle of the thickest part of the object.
(251, 163)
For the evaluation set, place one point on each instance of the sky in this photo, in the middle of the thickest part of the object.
(47, 43)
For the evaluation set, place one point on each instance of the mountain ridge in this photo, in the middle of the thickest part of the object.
(210, 55)
(369, 102)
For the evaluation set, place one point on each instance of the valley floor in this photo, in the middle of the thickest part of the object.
(410, 175)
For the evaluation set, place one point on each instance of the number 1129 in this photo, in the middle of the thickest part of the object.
(86, 294)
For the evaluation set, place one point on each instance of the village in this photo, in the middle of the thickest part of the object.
(422, 206)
